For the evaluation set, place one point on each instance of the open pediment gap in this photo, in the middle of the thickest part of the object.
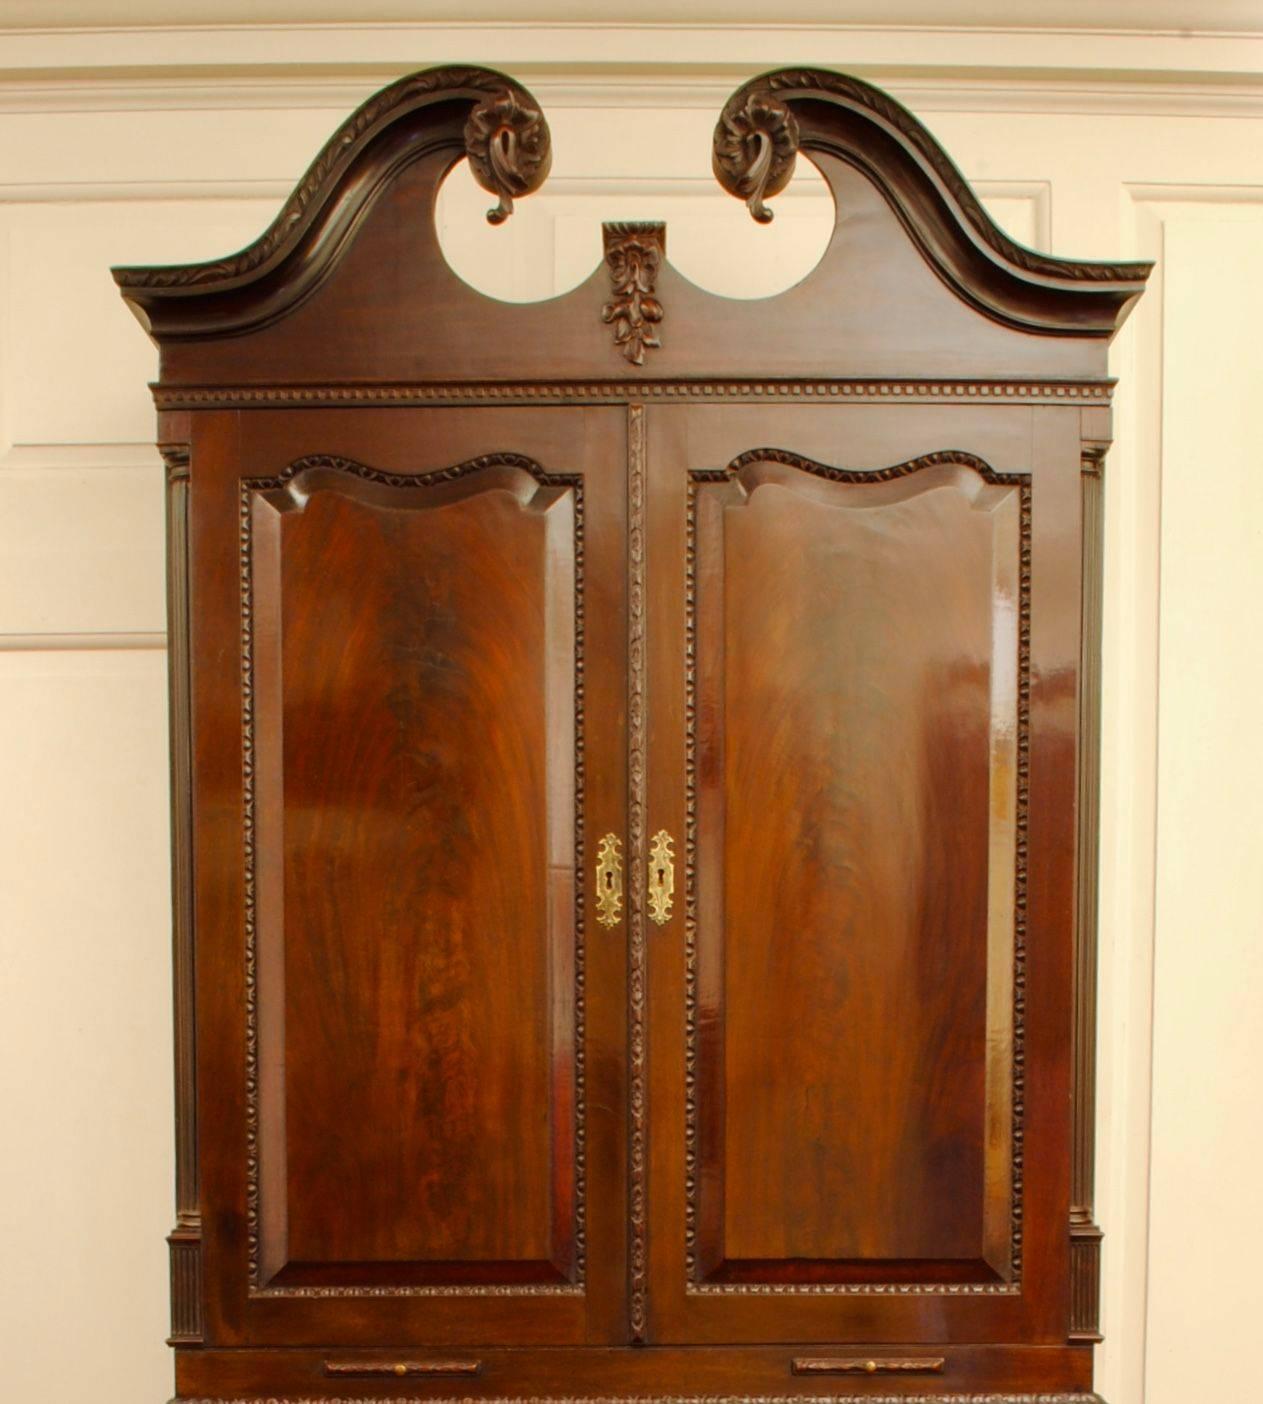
(908, 241)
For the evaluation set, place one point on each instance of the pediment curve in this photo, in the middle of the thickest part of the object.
(769, 119)
(485, 114)
(907, 228)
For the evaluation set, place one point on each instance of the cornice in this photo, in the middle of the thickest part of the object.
(587, 86)
(495, 122)
(1212, 16)
(731, 46)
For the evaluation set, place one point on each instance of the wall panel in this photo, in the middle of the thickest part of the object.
(1208, 961)
(85, 1069)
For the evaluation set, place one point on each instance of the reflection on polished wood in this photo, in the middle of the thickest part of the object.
(383, 1002)
(861, 946)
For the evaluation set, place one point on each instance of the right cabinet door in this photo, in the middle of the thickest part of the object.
(861, 677)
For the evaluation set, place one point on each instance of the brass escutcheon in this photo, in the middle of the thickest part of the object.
(661, 877)
(609, 881)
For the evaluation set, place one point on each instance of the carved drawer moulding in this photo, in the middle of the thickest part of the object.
(497, 631)
(1081, 1398)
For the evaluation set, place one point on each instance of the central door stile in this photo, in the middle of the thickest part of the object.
(659, 551)
(606, 783)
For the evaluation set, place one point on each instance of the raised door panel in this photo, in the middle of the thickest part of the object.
(413, 913)
(853, 762)
(848, 1012)
(415, 874)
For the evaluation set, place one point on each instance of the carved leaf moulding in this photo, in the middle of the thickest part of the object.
(637, 952)
(248, 488)
(173, 397)
(698, 478)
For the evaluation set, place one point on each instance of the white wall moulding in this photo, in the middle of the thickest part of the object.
(1204, 953)
(78, 643)
(335, 89)
(373, 52)
(1191, 15)
(83, 1041)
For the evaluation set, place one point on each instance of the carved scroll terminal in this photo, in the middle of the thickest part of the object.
(756, 141)
(509, 148)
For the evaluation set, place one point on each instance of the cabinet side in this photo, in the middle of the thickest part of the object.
(1085, 1235)
(185, 1239)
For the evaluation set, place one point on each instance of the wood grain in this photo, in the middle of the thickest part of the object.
(863, 945)
(415, 847)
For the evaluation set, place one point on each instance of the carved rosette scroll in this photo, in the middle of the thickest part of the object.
(633, 254)
(509, 148)
(756, 142)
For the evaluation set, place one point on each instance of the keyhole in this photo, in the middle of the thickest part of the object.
(662, 877)
(609, 881)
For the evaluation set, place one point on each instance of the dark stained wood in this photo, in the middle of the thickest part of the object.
(793, 604)
(861, 942)
(822, 600)
(185, 1240)
(414, 692)
(769, 119)
(430, 740)
(651, 1371)
(1085, 1235)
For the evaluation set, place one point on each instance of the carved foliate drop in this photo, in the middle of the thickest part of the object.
(633, 254)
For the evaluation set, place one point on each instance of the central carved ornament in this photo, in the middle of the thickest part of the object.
(633, 254)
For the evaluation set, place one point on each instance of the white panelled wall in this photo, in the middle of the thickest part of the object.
(187, 155)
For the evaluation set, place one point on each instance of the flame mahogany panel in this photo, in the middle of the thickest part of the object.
(861, 679)
(855, 750)
(414, 683)
(409, 1029)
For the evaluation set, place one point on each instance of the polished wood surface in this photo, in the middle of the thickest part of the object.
(782, 614)
(928, 720)
(414, 686)
(854, 763)
(659, 1372)
(411, 1033)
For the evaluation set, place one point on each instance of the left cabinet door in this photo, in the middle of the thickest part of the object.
(408, 676)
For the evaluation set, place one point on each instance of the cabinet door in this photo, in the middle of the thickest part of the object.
(408, 679)
(863, 631)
